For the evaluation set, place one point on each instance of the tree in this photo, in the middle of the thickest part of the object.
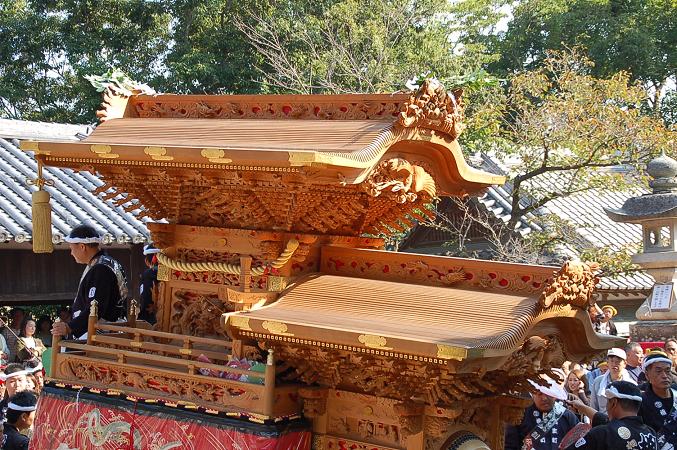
(47, 47)
(561, 121)
(350, 45)
(635, 36)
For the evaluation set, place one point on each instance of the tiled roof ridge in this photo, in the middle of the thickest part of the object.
(26, 129)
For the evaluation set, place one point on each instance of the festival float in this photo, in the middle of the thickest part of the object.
(282, 321)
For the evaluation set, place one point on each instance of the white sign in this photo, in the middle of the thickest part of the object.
(661, 297)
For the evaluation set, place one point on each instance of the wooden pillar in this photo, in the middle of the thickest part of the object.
(56, 348)
(245, 273)
(269, 385)
(91, 321)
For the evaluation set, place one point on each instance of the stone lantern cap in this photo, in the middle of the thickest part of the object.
(661, 203)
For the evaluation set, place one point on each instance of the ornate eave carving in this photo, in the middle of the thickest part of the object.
(432, 107)
(399, 179)
(574, 284)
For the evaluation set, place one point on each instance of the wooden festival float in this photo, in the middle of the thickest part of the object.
(282, 322)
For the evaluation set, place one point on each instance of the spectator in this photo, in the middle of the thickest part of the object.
(596, 316)
(20, 416)
(28, 347)
(4, 350)
(575, 386)
(12, 330)
(37, 371)
(635, 355)
(607, 325)
(44, 330)
(616, 361)
(658, 409)
(625, 430)
(15, 381)
(544, 423)
(601, 369)
(148, 287)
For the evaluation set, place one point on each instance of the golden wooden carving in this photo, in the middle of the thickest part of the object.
(451, 352)
(215, 155)
(432, 107)
(276, 327)
(158, 153)
(373, 341)
(401, 180)
(103, 151)
(163, 273)
(574, 284)
(242, 322)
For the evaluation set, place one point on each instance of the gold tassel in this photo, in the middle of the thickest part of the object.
(42, 216)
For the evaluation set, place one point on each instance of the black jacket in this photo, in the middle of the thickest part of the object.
(13, 439)
(619, 435)
(514, 435)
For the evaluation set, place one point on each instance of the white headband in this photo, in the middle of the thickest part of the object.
(612, 392)
(4, 377)
(151, 251)
(649, 361)
(16, 407)
(35, 369)
(89, 240)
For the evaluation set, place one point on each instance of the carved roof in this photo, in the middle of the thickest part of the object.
(346, 164)
(431, 307)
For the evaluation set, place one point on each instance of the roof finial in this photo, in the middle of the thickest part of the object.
(663, 170)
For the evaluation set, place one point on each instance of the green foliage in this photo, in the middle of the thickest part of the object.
(47, 47)
(635, 36)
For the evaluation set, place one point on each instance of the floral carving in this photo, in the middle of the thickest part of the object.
(574, 284)
(216, 108)
(399, 179)
(433, 107)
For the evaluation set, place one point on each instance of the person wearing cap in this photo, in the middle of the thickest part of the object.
(607, 325)
(103, 280)
(148, 282)
(20, 417)
(545, 422)
(659, 409)
(615, 359)
(621, 428)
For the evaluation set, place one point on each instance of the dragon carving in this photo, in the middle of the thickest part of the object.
(434, 108)
(574, 284)
(399, 178)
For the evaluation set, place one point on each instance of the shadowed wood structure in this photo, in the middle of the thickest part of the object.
(276, 208)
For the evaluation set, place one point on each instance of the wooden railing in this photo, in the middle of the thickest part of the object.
(156, 364)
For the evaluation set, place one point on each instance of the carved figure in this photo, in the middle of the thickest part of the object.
(432, 107)
(574, 284)
(399, 178)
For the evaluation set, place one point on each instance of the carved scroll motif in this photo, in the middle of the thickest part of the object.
(399, 179)
(574, 284)
(434, 108)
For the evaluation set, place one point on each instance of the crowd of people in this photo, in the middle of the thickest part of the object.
(628, 401)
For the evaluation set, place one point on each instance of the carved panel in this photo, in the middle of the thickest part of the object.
(217, 393)
(261, 108)
(432, 107)
(574, 284)
(197, 313)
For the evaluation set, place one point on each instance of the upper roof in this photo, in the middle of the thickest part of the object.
(72, 199)
(325, 164)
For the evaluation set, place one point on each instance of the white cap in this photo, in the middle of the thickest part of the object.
(617, 352)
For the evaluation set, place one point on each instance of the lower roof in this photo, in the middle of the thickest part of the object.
(431, 321)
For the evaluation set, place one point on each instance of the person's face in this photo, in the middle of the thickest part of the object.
(30, 328)
(26, 420)
(16, 384)
(573, 382)
(671, 350)
(603, 369)
(79, 253)
(635, 356)
(616, 364)
(608, 314)
(592, 312)
(39, 378)
(658, 374)
(30, 384)
(542, 402)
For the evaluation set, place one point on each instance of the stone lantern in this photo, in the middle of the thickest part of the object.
(656, 212)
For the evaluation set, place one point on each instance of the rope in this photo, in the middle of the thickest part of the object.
(233, 269)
